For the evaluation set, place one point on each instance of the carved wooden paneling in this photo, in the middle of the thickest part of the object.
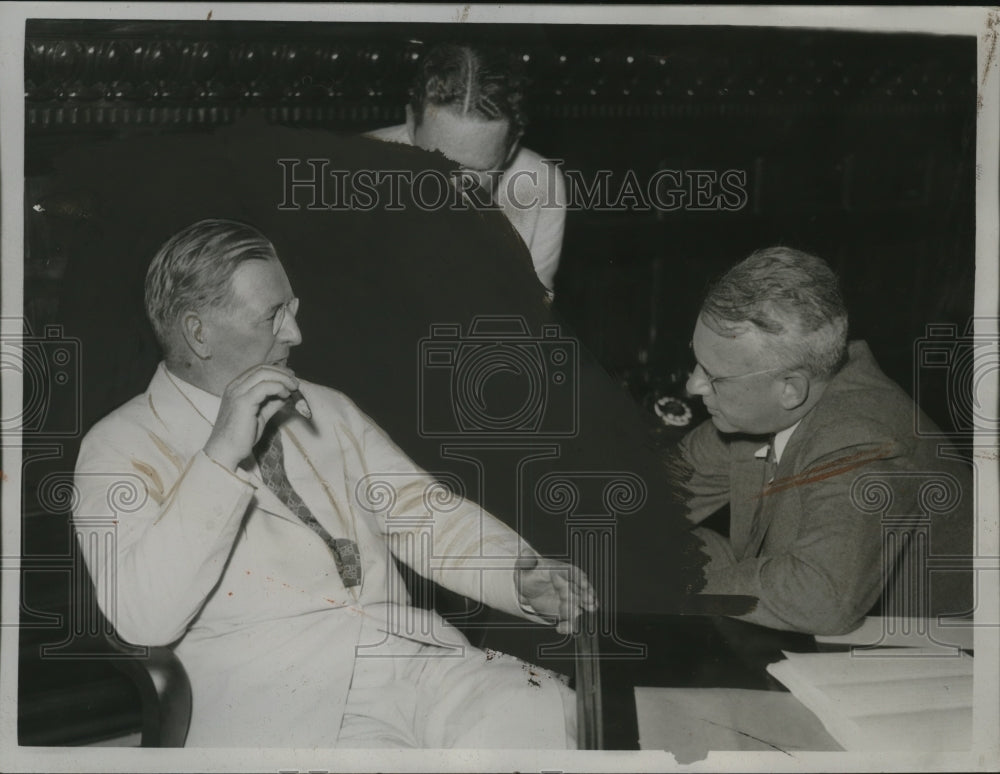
(185, 73)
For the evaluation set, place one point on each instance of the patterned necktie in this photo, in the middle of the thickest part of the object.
(271, 459)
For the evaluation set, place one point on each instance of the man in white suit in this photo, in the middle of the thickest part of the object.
(256, 539)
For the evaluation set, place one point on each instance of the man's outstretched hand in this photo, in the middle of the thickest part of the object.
(555, 590)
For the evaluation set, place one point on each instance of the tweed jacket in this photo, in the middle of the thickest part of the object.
(817, 546)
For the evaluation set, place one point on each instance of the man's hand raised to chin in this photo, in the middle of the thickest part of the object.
(248, 403)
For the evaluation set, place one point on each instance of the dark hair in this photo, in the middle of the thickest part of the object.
(482, 81)
(790, 297)
(192, 270)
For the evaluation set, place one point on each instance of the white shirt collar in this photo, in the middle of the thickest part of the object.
(205, 403)
(780, 442)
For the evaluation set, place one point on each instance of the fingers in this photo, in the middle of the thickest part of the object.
(268, 408)
(577, 586)
(261, 391)
(570, 611)
(560, 591)
(248, 403)
(252, 378)
(584, 591)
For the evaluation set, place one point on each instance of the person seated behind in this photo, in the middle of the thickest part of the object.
(257, 541)
(465, 102)
(798, 418)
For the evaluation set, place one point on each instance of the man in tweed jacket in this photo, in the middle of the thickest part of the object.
(814, 450)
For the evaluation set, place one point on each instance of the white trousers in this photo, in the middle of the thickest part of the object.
(423, 696)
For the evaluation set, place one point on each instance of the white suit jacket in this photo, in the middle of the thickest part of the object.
(184, 551)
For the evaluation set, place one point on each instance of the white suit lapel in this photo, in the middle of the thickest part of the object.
(188, 430)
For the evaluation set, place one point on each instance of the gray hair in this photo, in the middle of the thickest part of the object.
(193, 269)
(793, 300)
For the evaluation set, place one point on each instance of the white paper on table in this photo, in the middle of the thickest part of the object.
(876, 631)
(689, 722)
(891, 699)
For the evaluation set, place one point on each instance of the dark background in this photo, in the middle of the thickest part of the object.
(856, 146)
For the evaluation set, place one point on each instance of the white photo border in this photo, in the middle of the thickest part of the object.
(983, 23)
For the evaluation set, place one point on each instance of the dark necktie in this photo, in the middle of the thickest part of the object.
(758, 527)
(271, 459)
